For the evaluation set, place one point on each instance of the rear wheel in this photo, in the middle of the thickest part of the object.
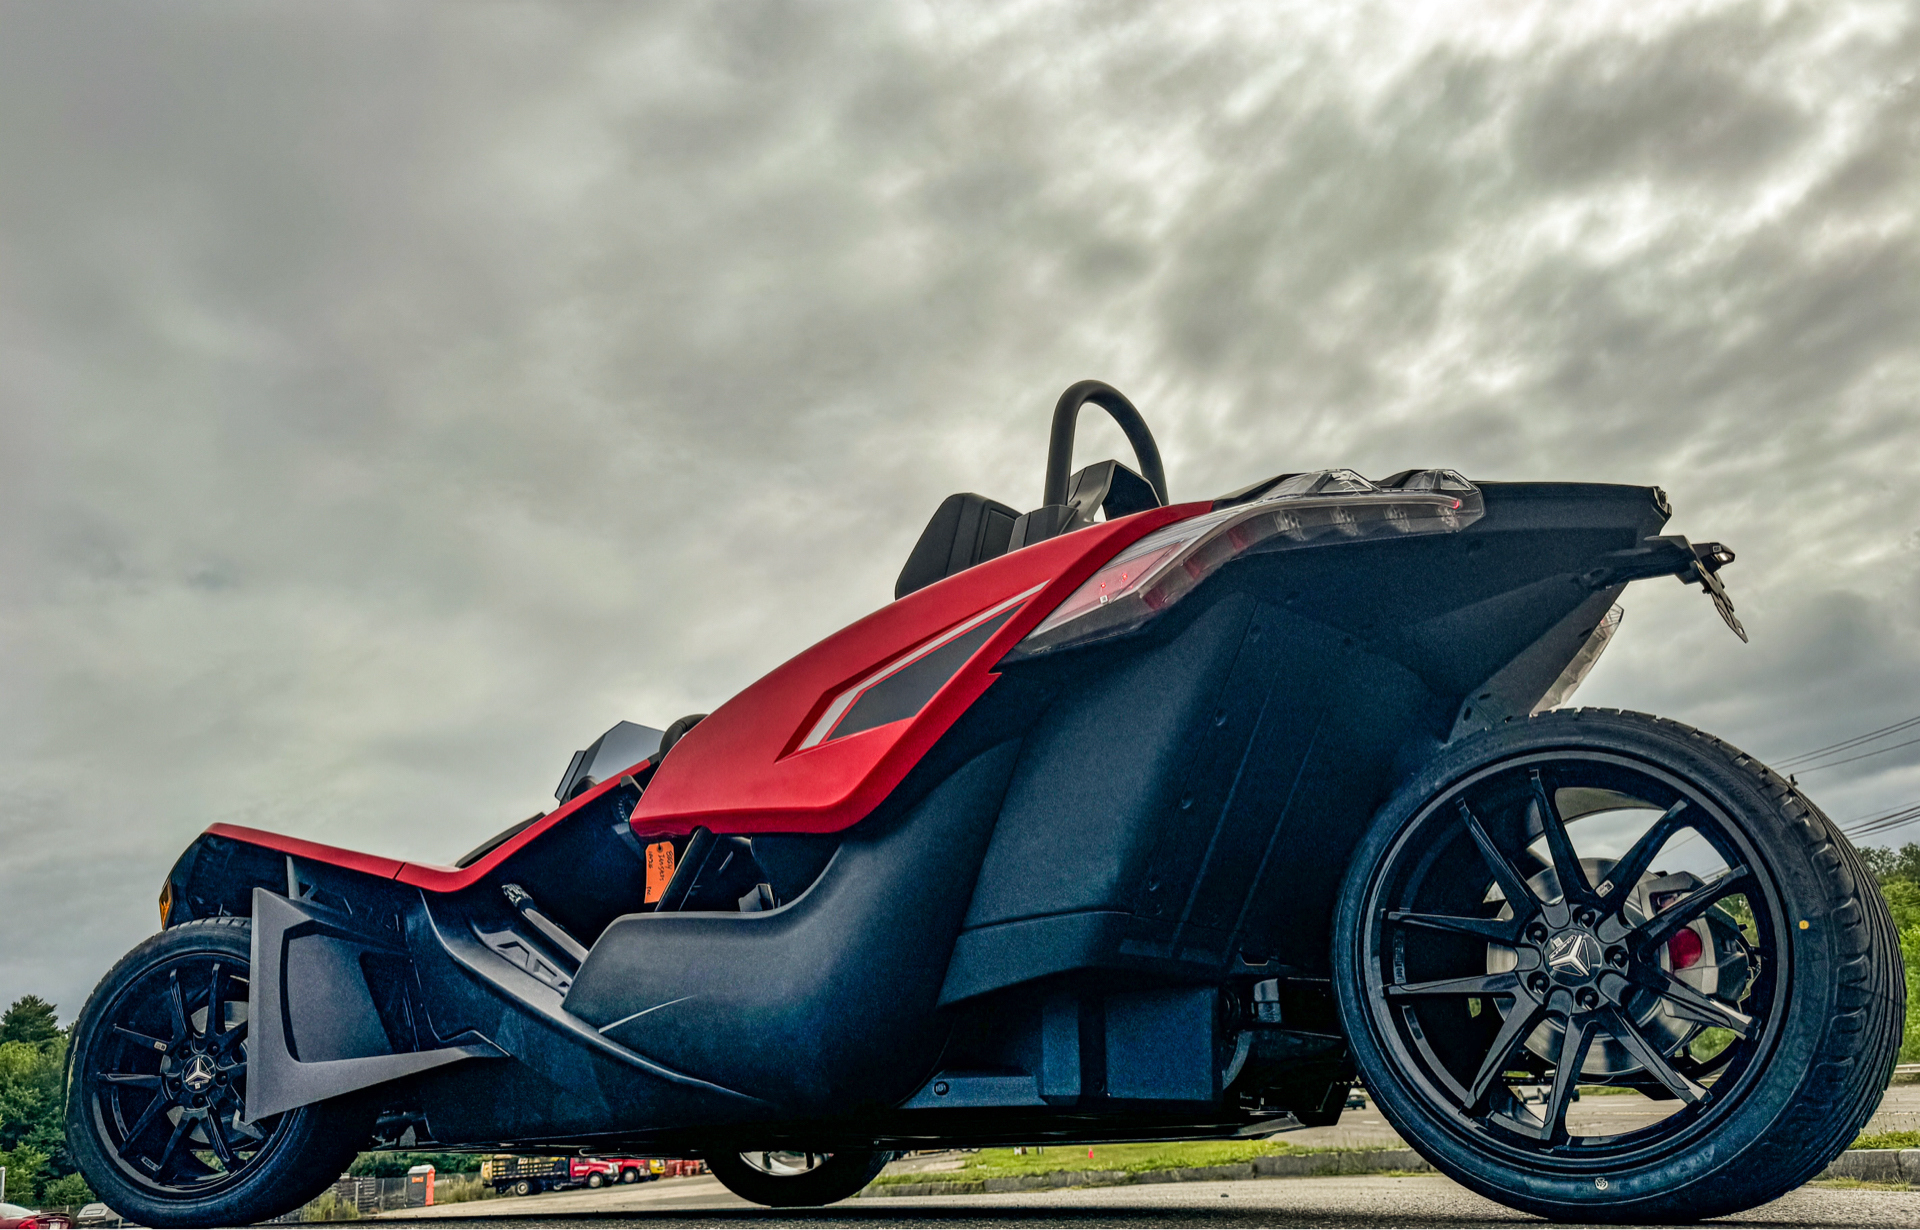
(789, 1180)
(1606, 898)
(156, 1099)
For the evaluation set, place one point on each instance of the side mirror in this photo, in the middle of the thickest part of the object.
(966, 530)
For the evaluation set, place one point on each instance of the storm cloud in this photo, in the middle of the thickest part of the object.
(394, 397)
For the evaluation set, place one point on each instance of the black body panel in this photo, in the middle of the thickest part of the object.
(1187, 805)
(846, 976)
(1057, 927)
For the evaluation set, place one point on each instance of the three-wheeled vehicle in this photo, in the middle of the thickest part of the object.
(1125, 820)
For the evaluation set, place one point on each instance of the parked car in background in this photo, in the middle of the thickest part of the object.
(18, 1217)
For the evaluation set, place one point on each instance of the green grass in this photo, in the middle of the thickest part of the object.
(1888, 1140)
(1131, 1158)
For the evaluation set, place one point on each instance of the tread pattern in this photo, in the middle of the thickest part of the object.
(1860, 1042)
(322, 1146)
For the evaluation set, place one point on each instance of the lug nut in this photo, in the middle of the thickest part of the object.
(1538, 982)
(1588, 918)
(1586, 997)
(1537, 933)
(1617, 957)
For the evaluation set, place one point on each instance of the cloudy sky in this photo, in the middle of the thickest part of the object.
(392, 397)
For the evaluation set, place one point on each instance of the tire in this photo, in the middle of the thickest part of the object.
(1793, 959)
(596, 1180)
(629, 1175)
(186, 1069)
(833, 1177)
(524, 1187)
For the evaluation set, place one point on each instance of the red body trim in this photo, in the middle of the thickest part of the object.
(734, 772)
(428, 876)
(312, 851)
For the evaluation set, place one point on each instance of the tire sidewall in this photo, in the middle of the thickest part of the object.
(303, 1134)
(840, 1176)
(1808, 1000)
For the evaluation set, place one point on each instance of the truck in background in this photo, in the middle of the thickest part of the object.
(512, 1174)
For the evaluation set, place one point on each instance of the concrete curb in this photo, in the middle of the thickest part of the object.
(1280, 1166)
(1865, 1165)
(1875, 1166)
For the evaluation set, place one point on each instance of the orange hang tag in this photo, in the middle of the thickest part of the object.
(659, 869)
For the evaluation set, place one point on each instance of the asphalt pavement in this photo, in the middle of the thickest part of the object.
(1366, 1200)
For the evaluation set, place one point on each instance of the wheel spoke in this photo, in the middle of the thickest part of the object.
(177, 1004)
(1660, 928)
(1621, 1026)
(1694, 1004)
(1566, 861)
(152, 1044)
(173, 1143)
(214, 1014)
(1514, 885)
(145, 1120)
(1566, 1075)
(1507, 983)
(1499, 930)
(236, 1034)
(1627, 872)
(1520, 1022)
(133, 1080)
(221, 1148)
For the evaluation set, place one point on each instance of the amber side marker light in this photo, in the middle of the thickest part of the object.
(166, 903)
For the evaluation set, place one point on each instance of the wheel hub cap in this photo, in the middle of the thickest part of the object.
(199, 1074)
(1567, 955)
(1574, 957)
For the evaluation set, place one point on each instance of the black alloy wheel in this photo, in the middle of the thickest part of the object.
(796, 1180)
(156, 1105)
(1608, 899)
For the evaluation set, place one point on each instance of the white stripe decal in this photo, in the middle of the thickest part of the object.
(845, 700)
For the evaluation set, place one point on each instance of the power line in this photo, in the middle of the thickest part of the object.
(1905, 814)
(1845, 744)
(1891, 747)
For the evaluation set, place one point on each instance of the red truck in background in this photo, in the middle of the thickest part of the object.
(509, 1173)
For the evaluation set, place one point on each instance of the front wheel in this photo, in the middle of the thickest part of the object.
(1603, 898)
(157, 1092)
(792, 1180)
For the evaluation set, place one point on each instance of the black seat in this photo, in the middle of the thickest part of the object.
(966, 529)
